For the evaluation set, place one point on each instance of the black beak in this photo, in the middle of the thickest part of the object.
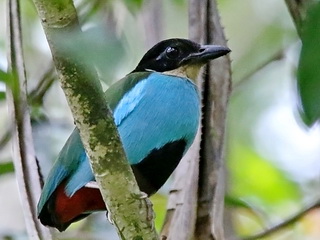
(207, 53)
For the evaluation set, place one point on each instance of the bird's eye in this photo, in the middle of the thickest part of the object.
(172, 52)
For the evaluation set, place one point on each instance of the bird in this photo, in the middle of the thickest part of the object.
(156, 109)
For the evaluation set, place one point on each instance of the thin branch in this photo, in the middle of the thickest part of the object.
(34, 97)
(277, 56)
(285, 223)
(37, 94)
(92, 116)
(24, 160)
(298, 11)
(4, 140)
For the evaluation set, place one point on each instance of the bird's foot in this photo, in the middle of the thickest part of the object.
(149, 205)
(108, 215)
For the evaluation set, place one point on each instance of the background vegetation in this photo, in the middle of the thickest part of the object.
(272, 158)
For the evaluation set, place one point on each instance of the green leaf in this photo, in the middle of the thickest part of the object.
(159, 202)
(2, 96)
(253, 177)
(4, 77)
(235, 202)
(308, 69)
(6, 168)
(133, 5)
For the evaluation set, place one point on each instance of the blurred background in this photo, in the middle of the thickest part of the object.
(272, 158)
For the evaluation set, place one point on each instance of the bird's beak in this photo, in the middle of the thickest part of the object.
(206, 53)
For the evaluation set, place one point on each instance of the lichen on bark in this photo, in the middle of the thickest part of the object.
(130, 212)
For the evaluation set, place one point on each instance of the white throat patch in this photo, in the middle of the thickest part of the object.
(191, 71)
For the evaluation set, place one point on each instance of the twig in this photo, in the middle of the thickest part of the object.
(6, 138)
(277, 56)
(26, 168)
(285, 223)
(36, 95)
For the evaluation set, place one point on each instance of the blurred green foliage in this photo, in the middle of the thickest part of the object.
(260, 190)
(309, 70)
(159, 206)
(255, 178)
(133, 5)
(4, 79)
(3, 76)
(95, 46)
(2, 95)
(6, 168)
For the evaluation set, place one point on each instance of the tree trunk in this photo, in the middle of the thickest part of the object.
(196, 201)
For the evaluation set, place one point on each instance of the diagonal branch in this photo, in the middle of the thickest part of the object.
(24, 160)
(47, 79)
(285, 223)
(277, 56)
(35, 97)
(95, 123)
(5, 138)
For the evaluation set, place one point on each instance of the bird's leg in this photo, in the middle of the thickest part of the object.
(150, 212)
(142, 196)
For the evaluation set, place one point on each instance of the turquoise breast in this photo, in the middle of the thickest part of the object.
(157, 110)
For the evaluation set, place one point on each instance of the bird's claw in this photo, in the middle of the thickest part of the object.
(108, 215)
(149, 205)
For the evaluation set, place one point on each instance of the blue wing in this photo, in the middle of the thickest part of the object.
(71, 162)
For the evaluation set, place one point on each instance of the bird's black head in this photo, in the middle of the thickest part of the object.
(174, 53)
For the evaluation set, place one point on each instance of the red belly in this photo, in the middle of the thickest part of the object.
(83, 201)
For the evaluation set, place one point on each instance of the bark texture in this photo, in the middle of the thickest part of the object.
(25, 163)
(129, 211)
(196, 201)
